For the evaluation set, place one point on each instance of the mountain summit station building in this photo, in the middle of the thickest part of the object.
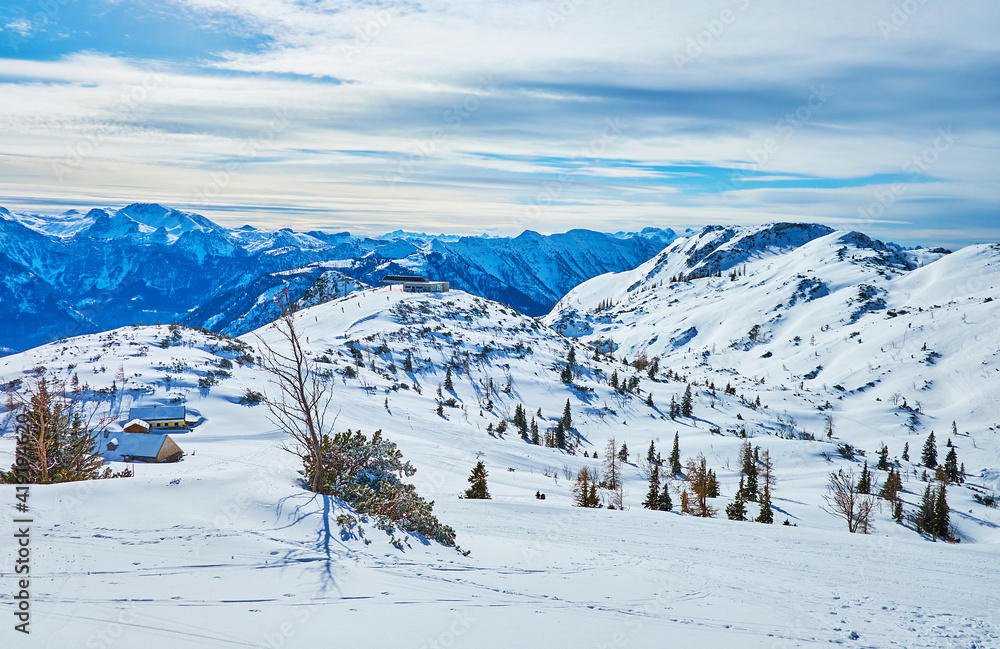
(415, 284)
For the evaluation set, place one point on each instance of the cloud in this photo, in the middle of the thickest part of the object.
(21, 26)
(478, 114)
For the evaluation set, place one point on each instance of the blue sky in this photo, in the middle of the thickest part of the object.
(472, 116)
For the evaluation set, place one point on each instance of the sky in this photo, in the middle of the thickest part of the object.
(472, 116)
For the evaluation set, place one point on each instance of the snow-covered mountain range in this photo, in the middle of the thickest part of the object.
(84, 272)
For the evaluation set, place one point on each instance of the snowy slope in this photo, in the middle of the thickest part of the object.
(226, 549)
(896, 350)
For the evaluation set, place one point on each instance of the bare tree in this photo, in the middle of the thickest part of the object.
(613, 475)
(301, 397)
(845, 501)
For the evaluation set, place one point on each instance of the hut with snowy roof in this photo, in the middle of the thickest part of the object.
(142, 447)
(155, 418)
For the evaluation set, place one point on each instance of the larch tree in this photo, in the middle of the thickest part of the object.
(699, 479)
(612, 475)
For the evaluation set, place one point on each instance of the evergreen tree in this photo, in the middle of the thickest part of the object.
(675, 456)
(883, 458)
(766, 515)
(478, 490)
(925, 515)
(567, 417)
(535, 439)
(560, 435)
(649, 399)
(737, 510)
(52, 444)
(929, 455)
(713, 485)
(448, 384)
(651, 453)
(623, 453)
(521, 421)
(906, 452)
(750, 471)
(501, 427)
(614, 379)
(408, 363)
(941, 521)
(686, 408)
(951, 466)
(865, 481)
(653, 495)
(571, 357)
(665, 504)
(675, 410)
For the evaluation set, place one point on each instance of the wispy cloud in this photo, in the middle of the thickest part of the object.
(461, 114)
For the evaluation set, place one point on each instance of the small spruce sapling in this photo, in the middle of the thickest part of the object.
(478, 488)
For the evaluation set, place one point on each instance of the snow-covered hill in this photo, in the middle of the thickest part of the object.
(891, 343)
(145, 558)
(85, 272)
